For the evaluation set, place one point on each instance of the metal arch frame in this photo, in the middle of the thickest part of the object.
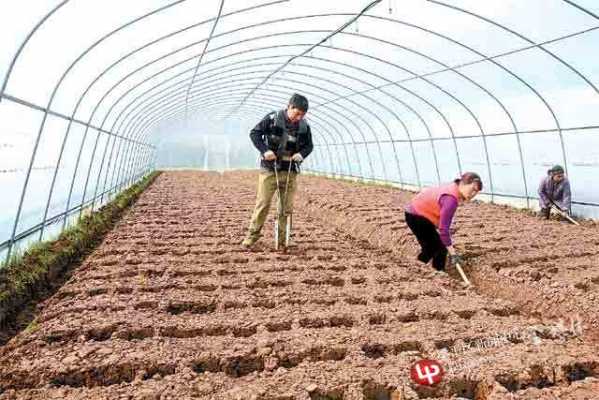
(438, 87)
(2, 93)
(486, 152)
(284, 100)
(259, 105)
(328, 70)
(219, 86)
(220, 11)
(25, 42)
(349, 132)
(383, 107)
(106, 70)
(375, 58)
(581, 8)
(324, 69)
(492, 60)
(457, 100)
(185, 72)
(277, 56)
(130, 74)
(328, 116)
(236, 30)
(216, 101)
(245, 28)
(472, 114)
(279, 100)
(488, 92)
(504, 109)
(162, 83)
(512, 74)
(581, 76)
(50, 102)
(261, 108)
(403, 103)
(485, 90)
(133, 120)
(91, 117)
(485, 58)
(120, 81)
(46, 111)
(331, 117)
(148, 98)
(339, 134)
(353, 19)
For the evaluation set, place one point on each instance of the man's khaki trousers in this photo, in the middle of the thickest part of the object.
(267, 187)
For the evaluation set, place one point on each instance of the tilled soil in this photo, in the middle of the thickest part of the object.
(171, 307)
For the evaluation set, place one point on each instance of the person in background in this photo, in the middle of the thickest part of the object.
(430, 213)
(555, 188)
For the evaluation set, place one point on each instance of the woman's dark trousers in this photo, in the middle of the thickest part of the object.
(429, 239)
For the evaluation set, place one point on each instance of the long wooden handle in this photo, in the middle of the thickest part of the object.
(563, 214)
(462, 274)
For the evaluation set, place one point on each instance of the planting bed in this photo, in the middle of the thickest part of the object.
(170, 306)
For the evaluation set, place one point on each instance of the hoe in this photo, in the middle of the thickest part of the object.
(563, 213)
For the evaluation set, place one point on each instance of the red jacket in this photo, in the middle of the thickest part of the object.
(426, 203)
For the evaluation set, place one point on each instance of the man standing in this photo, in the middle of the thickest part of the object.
(554, 188)
(284, 139)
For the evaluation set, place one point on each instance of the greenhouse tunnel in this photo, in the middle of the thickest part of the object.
(98, 94)
(128, 180)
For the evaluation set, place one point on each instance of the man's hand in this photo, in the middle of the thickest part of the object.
(270, 155)
(297, 157)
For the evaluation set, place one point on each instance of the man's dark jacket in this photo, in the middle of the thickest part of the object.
(266, 134)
